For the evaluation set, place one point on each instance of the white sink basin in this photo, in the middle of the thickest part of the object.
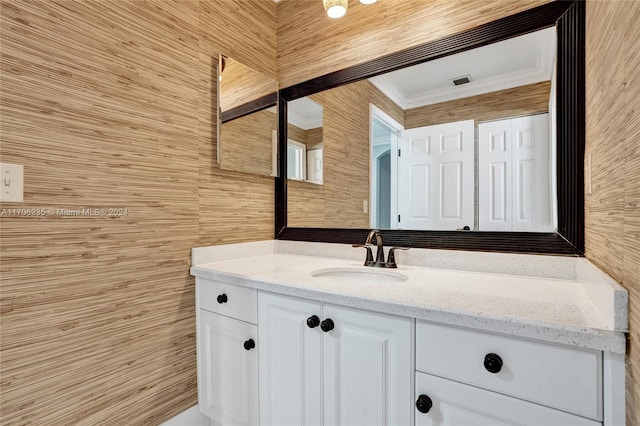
(363, 274)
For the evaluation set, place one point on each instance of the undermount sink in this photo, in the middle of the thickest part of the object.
(360, 274)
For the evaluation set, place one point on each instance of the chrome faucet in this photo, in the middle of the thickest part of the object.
(379, 262)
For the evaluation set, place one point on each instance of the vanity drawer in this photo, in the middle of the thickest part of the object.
(230, 300)
(556, 376)
(455, 404)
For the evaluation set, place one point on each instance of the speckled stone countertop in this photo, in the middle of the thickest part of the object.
(584, 310)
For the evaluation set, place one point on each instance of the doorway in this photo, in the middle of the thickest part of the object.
(384, 132)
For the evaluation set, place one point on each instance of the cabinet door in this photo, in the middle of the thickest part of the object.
(455, 404)
(289, 361)
(227, 372)
(367, 368)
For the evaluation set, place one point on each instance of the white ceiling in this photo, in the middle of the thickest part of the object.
(304, 113)
(511, 63)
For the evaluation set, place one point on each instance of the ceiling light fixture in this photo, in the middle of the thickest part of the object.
(335, 8)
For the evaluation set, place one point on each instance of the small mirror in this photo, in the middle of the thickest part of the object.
(304, 144)
(248, 119)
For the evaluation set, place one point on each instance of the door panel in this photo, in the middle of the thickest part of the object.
(498, 193)
(290, 362)
(419, 189)
(367, 369)
(451, 191)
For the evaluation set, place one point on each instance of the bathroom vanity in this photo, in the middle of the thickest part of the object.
(295, 333)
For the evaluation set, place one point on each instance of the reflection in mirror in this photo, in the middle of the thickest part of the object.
(248, 119)
(463, 142)
(304, 144)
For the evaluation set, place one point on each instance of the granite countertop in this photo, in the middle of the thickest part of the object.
(566, 311)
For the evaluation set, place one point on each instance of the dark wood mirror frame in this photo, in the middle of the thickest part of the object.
(259, 104)
(569, 19)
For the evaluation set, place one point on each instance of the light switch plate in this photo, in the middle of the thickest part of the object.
(11, 183)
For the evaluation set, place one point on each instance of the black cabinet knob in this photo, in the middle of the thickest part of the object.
(222, 298)
(493, 363)
(424, 404)
(249, 344)
(313, 321)
(327, 325)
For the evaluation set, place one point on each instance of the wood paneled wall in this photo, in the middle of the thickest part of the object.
(111, 104)
(523, 100)
(345, 140)
(310, 44)
(612, 216)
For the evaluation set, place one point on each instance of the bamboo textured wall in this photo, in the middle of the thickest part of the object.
(247, 143)
(110, 104)
(523, 100)
(345, 140)
(312, 138)
(612, 216)
(241, 84)
(310, 44)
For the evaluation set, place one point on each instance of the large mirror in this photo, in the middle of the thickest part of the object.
(248, 119)
(461, 142)
(478, 147)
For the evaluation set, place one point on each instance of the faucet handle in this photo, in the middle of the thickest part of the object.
(391, 260)
(369, 258)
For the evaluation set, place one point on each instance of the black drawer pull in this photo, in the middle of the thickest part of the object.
(327, 325)
(222, 298)
(313, 321)
(424, 404)
(493, 363)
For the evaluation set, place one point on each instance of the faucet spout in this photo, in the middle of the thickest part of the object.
(379, 262)
(380, 251)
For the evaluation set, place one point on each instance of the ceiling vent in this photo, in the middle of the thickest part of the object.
(461, 80)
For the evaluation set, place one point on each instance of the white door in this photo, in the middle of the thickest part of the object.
(290, 362)
(436, 177)
(314, 165)
(514, 187)
(455, 404)
(228, 379)
(367, 368)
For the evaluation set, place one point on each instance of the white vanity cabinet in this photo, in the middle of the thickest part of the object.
(471, 377)
(226, 353)
(326, 364)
